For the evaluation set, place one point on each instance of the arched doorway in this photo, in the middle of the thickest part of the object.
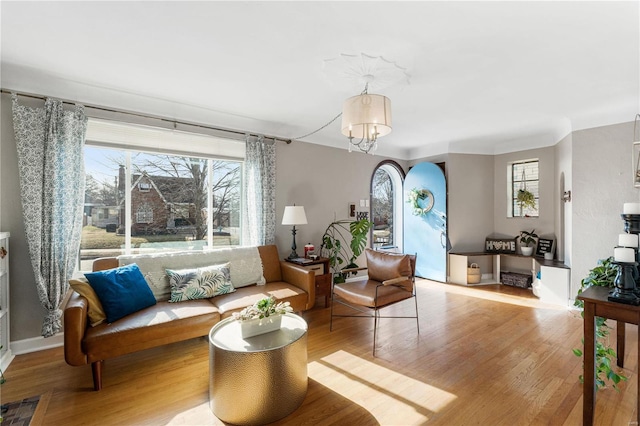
(386, 206)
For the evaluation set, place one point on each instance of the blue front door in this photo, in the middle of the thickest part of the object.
(425, 220)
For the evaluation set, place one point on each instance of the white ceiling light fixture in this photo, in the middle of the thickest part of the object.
(367, 116)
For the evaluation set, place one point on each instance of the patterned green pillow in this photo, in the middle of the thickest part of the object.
(200, 283)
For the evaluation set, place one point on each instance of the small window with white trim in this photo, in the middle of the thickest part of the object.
(523, 188)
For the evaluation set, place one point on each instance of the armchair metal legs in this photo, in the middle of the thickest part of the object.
(375, 315)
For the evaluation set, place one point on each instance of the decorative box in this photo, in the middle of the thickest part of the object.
(516, 280)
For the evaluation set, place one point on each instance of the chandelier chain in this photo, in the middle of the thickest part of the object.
(364, 92)
(321, 128)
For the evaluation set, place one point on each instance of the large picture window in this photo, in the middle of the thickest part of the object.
(142, 202)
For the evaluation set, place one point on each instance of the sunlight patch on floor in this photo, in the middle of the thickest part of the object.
(384, 393)
(479, 293)
(198, 415)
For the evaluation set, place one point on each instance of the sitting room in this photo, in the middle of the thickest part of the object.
(371, 213)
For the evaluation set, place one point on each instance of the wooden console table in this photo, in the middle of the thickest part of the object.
(597, 305)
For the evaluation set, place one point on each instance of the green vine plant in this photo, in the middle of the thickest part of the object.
(602, 275)
(526, 199)
(342, 242)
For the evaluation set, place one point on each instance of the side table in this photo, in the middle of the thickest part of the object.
(596, 304)
(323, 276)
(259, 379)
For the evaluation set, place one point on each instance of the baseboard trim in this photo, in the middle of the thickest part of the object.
(6, 359)
(34, 344)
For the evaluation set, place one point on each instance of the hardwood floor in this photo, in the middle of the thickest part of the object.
(485, 356)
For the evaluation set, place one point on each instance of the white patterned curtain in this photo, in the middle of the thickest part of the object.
(50, 162)
(259, 215)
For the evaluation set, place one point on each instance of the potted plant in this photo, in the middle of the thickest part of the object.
(342, 242)
(527, 238)
(604, 275)
(526, 199)
(263, 316)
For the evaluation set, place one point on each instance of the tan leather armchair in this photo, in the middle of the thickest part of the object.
(391, 279)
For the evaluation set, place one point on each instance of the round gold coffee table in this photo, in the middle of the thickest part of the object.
(260, 379)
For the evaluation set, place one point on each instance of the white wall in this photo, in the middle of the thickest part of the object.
(602, 183)
(564, 210)
(470, 201)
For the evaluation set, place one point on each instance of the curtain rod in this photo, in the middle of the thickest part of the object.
(137, 114)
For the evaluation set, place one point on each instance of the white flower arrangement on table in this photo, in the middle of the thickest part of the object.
(263, 308)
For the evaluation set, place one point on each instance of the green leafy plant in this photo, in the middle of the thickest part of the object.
(527, 237)
(263, 308)
(342, 242)
(602, 275)
(526, 199)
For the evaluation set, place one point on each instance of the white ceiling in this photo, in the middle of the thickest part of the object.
(486, 77)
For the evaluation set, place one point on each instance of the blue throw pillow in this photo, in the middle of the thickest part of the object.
(122, 291)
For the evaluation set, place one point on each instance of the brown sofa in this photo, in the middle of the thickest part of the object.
(165, 322)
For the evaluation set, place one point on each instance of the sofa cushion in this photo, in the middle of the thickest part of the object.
(199, 283)
(156, 325)
(121, 291)
(95, 311)
(245, 266)
(363, 292)
(280, 290)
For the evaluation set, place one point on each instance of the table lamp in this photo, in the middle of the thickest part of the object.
(294, 215)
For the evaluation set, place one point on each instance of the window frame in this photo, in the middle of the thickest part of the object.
(211, 153)
(515, 183)
(146, 211)
(397, 175)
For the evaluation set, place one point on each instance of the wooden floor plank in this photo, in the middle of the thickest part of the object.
(490, 355)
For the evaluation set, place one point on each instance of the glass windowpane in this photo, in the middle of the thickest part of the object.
(382, 208)
(525, 176)
(169, 195)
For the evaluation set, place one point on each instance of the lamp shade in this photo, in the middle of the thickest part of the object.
(361, 113)
(294, 215)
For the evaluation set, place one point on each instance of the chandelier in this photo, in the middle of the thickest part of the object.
(366, 117)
